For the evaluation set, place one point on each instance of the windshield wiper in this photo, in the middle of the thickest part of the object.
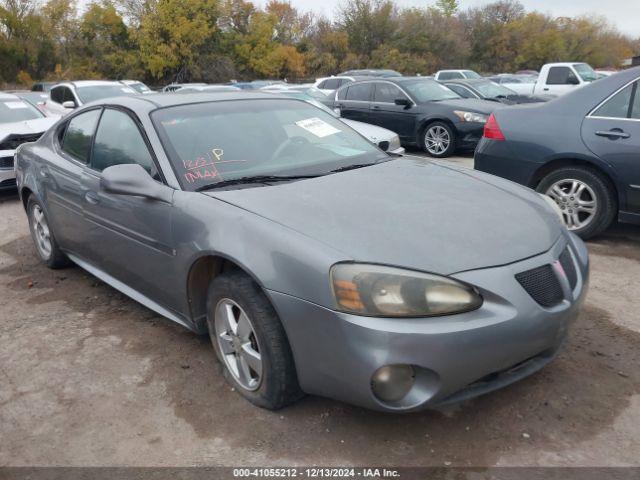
(351, 167)
(254, 179)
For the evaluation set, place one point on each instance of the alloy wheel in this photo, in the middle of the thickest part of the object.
(41, 231)
(238, 344)
(437, 140)
(577, 201)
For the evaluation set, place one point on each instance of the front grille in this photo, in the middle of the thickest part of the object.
(542, 284)
(6, 162)
(13, 141)
(569, 267)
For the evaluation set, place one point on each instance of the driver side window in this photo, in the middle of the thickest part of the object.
(119, 141)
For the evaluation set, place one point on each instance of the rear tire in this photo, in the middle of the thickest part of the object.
(585, 197)
(43, 237)
(256, 357)
(438, 140)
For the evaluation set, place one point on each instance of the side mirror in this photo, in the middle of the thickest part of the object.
(337, 111)
(132, 179)
(403, 102)
(69, 104)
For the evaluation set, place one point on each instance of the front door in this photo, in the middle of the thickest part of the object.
(131, 237)
(612, 132)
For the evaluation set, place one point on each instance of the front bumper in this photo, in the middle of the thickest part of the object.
(455, 357)
(7, 172)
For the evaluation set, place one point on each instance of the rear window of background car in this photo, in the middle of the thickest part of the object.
(79, 133)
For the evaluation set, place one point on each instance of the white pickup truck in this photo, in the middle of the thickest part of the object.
(561, 78)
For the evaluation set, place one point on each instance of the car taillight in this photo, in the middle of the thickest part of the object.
(492, 129)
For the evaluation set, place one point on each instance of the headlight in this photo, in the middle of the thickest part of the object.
(394, 143)
(471, 116)
(375, 290)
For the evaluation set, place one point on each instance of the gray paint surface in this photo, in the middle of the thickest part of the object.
(407, 213)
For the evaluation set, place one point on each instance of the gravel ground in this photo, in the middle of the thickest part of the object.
(89, 377)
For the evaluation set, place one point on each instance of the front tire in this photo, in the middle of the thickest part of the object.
(587, 201)
(43, 238)
(250, 342)
(438, 140)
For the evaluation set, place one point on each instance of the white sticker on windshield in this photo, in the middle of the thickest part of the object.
(318, 127)
(15, 105)
(127, 90)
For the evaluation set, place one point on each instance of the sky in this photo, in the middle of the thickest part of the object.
(624, 14)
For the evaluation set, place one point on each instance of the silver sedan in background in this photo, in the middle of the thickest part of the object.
(316, 262)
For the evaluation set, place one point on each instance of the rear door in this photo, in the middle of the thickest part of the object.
(130, 237)
(612, 132)
(385, 113)
(354, 101)
(62, 180)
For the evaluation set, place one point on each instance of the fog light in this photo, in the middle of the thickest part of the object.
(392, 382)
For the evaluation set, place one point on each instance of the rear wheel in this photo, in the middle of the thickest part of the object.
(438, 140)
(43, 237)
(250, 342)
(586, 200)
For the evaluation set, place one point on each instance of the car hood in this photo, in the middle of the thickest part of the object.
(26, 127)
(410, 213)
(371, 132)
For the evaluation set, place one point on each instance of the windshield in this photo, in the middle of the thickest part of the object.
(585, 71)
(426, 90)
(470, 74)
(492, 90)
(17, 110)
(98, 92)
(209, 142)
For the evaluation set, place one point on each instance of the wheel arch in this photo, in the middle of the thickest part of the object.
(25, 193)
(201, 273)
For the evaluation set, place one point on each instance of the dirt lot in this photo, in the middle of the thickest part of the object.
(89, 377)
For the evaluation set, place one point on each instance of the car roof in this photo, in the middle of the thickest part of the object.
(162, 100)
(88, 83)
(8, 96)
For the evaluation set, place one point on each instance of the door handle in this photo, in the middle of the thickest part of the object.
(376, 107)
(546, 89)
(91, 197)
(613, 134)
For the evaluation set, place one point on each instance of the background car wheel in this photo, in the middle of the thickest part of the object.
(250, 342)
(587, 202)
(438, 140)
(43, 237)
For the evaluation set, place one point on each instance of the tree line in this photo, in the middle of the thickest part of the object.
(159, 41)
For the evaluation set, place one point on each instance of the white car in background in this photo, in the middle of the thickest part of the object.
(455, 74)
(328, 85)
(521, 84)
(138, 86)
(66, 96)
(207, 89)
(20, 122)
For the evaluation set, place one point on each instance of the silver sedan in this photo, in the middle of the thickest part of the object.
(316, 262)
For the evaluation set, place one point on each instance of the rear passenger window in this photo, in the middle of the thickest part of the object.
(359, 92)
(635, 111)
(78, 135)
(561, 76)
(450, 75)
(617, 106)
